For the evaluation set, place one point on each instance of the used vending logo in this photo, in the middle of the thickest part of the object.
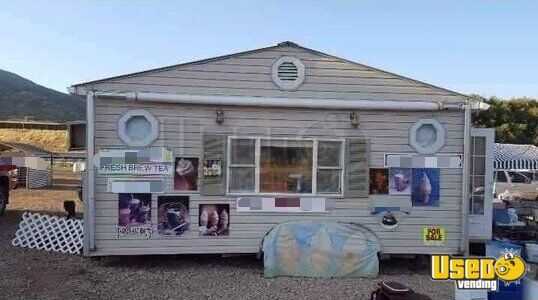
(479, 272)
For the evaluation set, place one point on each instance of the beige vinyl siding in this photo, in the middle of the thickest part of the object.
(249, 75)
(182, 128)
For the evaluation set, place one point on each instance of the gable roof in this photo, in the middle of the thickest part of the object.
(196, 62)
(284, 46)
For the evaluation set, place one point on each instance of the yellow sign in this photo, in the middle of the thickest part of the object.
(433, 236)
(478, 272)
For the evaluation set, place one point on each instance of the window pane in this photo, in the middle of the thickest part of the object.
(501, 177)
(286, 166)
(518, 177)
(241, 180)
(329, 181)
(426, 135)
(478, 181)
(479, 146)
(477, 204)
(138, 128)
(479, 165)
(329, 153)
(242, 151)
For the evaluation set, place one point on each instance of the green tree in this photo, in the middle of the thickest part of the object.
(515, 120)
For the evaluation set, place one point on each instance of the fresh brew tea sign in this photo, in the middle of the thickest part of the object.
(137, 169)
(150, 161)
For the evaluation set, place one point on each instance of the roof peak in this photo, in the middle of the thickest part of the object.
(287, 43)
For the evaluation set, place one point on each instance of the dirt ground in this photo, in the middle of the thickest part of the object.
(32, 274)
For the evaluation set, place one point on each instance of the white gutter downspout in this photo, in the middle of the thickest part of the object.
(465, 184)
(273, 102)
(89, 200)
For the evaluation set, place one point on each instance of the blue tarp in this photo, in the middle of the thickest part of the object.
(320, 249)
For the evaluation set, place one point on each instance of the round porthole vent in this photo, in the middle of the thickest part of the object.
(427, 136)
(288, 73)
(138, 127)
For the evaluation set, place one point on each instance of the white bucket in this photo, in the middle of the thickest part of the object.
(532, 252)
(531, 289)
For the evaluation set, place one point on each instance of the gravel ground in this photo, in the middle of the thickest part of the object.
(44, 275)
(31, 274)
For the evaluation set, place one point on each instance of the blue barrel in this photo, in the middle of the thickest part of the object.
(513, 291)
(495, 248)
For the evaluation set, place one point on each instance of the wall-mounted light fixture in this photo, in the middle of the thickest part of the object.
(220, 116)
(354, 117)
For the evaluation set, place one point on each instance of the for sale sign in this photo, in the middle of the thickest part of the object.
(433, 236)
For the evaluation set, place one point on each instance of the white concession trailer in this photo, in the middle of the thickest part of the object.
(208, 156)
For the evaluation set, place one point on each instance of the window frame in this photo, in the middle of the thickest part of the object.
(473, 155)
(315, 167)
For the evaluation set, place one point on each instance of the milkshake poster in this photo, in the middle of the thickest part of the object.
(173, 215)
(134, 214)
(186, 174)
(425, 187)
(214, 219)
(400, 181)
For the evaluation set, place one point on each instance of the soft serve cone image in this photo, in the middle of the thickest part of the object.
(204, 218)
(213, 223)
(289, 251)
(184, 167)
(320, 252)
(425, 188)
(186, 173)
(223, 223)
(351, 254)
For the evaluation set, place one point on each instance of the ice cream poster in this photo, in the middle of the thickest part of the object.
(186, 174)
(425, 187)
(134, 214)
(214, 219)
(400, 181)
(173, 215)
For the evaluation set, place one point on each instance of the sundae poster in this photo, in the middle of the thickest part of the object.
(400, 181)
(173, 215)
(186, 174)
(379, 181)
(425, 187)
(214, 219)
(134, 214)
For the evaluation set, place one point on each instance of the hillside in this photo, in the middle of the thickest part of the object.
(20, 98)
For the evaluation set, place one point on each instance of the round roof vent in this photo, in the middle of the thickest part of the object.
(288, 73)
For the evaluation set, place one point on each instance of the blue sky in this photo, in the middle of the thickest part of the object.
(489, 48)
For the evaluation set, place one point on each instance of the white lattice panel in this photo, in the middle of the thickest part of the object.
(51, 233)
